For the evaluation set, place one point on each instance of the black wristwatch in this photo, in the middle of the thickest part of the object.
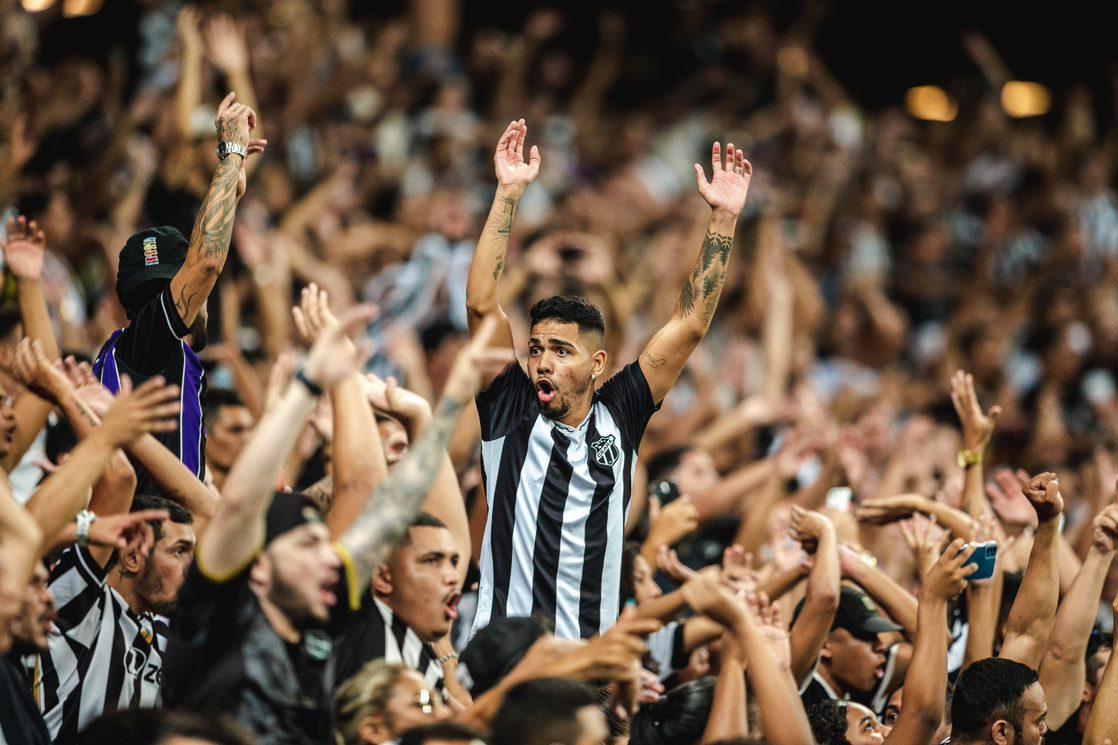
(312, 387)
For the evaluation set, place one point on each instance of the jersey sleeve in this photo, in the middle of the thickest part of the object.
(76, 584)
(505, 402)
(149, 342)
(629, 399)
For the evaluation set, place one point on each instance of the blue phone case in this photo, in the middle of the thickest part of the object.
(984, 556)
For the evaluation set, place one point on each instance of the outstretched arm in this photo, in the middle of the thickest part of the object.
(236, 532)
(398, 499)
(1104, 714)
(1034, 610)
(810, 630)
(513, 176)
(209, 241)
(1063, 668)
(666, 353)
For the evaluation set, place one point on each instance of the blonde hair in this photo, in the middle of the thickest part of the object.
(364, 694)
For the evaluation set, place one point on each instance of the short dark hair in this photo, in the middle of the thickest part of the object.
(495, 650)
(175, 511)
(422, 520)
(828, 722)
(218, 398)
(570, 309)
(989, 690)
(542, 712)
(678, 718)
(667, 461)
(441, 731)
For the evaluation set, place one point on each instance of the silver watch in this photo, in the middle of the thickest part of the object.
(230, 148)
(84, 520)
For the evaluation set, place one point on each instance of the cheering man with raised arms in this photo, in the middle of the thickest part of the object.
(558, 455)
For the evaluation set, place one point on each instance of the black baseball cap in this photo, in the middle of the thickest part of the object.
(148, 261)
(289, 510)
(857, 613)
(495, 651)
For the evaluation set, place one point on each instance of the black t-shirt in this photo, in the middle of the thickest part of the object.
(152, 345)
(20, 720)
(224, 656)
(377, 633)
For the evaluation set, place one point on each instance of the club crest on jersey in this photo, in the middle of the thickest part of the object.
(606, 451)
(151, 251)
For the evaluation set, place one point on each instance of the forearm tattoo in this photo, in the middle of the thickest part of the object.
(213, 228)
(703, 285)
(398, 499)
(502, 225)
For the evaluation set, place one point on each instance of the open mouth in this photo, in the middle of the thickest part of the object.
(327, 595)
(450, 606)
(545, 391)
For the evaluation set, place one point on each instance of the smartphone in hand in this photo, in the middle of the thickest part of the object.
(984, 556)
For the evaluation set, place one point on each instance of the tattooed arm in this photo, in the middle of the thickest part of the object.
(513, 177)
(398, 499)
(209, 241)
(663, 359)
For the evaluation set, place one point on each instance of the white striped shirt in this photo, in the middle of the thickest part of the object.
(558, 497)
(376, 633)
(102, 657)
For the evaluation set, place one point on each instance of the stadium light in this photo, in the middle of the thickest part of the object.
(930, 103)
(34, 6)
(1021, 99)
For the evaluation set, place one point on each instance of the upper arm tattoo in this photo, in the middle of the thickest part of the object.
(397, 500)
(214, 224)
(703, 285)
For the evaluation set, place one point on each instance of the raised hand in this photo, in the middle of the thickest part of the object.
(234, 123)
(333, 357)
(948, 576)
(225, 45)
(669, 525)
(312, 316)
(387, 396)
(42, 377)
(126, 531)
(707, 596)
(884, 510)
(767, 618)
(978, 426)
(513, 172)
(1007, 498)
(807, 527)
(478, 359)
(187, 23)
(667, 561)
(1043, 493)
(24, 248)
(1104, 530)
(924, 538)
(153, 407)
(737, 573)
(729, 183)
(96, 396)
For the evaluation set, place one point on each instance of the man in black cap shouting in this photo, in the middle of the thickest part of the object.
(855, 660)
(163, 282)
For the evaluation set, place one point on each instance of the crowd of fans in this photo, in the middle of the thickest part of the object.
(272, 472)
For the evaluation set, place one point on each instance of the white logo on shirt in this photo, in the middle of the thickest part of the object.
(606, 451)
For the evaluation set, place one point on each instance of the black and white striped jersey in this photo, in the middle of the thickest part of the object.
(558, 497)
(377, 633)
(103, 657)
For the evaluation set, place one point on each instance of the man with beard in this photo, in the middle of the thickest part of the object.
(163, 282)
(269, 592)
(112, 628)
(559, 453)
(998, 702)
(21, 723)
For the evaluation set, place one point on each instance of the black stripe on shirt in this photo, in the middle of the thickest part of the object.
(513, 452)
(594, 540)
(549, 527)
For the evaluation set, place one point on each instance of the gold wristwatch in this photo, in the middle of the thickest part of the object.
(968, 458)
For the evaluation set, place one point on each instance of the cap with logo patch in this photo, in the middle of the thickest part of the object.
(857, 614)
(148, 261)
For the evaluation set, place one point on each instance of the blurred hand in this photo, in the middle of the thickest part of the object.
(615, 655)
(707, 596)
(513, 172)
(737, 569)
(126, 531)
(669, 525)
(153, 407)
(1104, 530)
(884, 510)
(477, 359)
(187, 23)
(96, 396)
(667, 561)
(334, 357)
(729, 184)
(1007, 497)
(924, 538)
(23, 251)
(42, 377)
(388, 397)
(948, 577)
(978, 427)
(225, 45)
(808, 527)
(767, 618)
